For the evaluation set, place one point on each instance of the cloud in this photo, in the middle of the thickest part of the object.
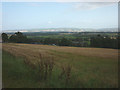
(91, 5)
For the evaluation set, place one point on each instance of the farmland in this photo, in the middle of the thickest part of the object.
(74, 39)
(91, 67)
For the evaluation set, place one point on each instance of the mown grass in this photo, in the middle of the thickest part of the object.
(88, 71)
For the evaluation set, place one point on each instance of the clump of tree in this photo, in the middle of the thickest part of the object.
(104, 42)
(4, 37)
(17, 37)
(65, 42)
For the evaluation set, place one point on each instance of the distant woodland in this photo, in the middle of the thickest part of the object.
(98, 40)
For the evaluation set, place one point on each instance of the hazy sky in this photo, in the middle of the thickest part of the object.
(21, 15)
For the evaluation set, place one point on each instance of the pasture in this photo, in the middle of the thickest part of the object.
(90, 67)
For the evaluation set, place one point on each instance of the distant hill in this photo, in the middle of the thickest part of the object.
(65, 30)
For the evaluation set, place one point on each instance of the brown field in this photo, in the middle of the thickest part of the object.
(32, 49)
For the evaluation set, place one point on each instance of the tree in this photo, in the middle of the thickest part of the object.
(47, 41)
(65, 42)
(4, 37)
(13, 38)
(18, 37)
(104, 42)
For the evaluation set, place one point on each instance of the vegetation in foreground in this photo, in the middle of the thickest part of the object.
(88, 70)
(16, 74)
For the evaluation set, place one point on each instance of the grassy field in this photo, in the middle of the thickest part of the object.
(91, 67)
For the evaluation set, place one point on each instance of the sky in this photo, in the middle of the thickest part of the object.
(35, 15)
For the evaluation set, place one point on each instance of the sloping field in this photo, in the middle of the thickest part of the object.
(30, 48)
(92, 67)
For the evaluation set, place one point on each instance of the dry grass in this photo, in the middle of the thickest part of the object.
(93, 67)
(66, 73)
(35, 49)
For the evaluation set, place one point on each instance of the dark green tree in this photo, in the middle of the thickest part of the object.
(18, 37)
(4, 37)
(47, 41)
(13, 38)
(103, 42)
(65, 42)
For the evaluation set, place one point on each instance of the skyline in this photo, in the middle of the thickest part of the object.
(24, 15)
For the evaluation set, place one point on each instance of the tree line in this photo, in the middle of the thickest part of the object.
(95, 41)
(105, 42)
(17, 37)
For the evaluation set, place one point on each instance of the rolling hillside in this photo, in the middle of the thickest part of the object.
(91, 67)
